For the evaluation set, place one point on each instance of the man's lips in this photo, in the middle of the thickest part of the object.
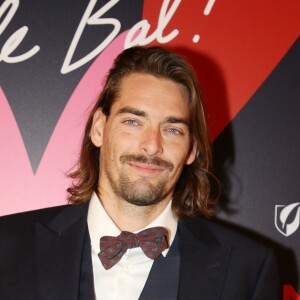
(146, 168)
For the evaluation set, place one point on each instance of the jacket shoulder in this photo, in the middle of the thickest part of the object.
(251, 269)
(34, 216)
(215, 233)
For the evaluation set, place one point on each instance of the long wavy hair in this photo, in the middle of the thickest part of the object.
(192, 192)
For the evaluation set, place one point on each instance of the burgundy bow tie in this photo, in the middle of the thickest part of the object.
(152, 241)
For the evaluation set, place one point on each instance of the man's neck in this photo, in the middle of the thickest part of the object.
(130, 217)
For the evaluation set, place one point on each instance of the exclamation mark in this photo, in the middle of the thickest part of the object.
(206, 12)
(209, 7)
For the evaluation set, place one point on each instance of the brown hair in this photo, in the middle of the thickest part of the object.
(192, 193)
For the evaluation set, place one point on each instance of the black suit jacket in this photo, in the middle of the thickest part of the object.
(41, 252)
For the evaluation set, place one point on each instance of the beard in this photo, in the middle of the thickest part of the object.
(141, 192)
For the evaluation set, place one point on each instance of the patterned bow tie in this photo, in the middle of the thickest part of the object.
(152, 241)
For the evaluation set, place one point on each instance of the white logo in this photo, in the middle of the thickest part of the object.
(287, 218)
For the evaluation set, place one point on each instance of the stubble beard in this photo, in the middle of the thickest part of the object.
(141, 192)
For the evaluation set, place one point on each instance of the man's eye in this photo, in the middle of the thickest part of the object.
(174, 131)
(131, 122)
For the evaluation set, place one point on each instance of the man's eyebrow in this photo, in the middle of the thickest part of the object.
(174, 120)
(131, 110)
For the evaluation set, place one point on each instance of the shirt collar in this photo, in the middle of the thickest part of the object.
(100, 224)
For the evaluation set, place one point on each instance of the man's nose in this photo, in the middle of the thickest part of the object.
(151, 143)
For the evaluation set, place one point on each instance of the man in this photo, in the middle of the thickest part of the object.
(144, 169)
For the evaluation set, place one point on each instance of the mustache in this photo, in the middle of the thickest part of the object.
(125, 158)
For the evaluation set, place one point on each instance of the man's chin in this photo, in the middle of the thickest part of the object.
(143, 194)
(142, 191)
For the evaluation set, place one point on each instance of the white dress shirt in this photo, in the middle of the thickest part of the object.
(126, 279)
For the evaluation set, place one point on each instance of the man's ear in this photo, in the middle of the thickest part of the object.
(192, 153)
(97, 129)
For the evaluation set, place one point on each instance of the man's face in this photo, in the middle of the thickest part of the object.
(145, 141)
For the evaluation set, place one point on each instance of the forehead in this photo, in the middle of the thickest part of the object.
(155, 95)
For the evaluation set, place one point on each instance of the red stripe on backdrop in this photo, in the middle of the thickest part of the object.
(240, 44)
(289, 293)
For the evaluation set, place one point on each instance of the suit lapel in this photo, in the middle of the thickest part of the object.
(59, 246)
(203, 262)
